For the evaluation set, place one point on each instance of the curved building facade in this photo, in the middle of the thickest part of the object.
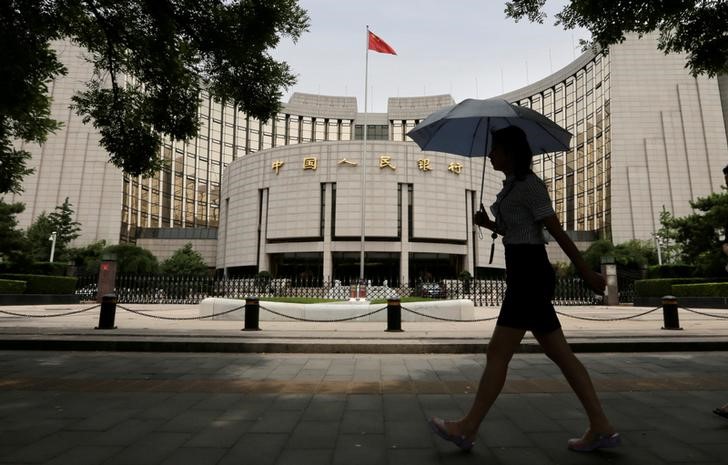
(297, 211)
(647, 136)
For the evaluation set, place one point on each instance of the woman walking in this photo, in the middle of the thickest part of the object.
(521, 211)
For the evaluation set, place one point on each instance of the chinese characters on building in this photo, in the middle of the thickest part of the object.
(385, 161)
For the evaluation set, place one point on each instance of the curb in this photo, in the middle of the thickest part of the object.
(322, 346)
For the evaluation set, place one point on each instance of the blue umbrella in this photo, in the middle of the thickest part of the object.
(465, 128)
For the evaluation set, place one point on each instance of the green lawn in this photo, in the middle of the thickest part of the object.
(314, 300)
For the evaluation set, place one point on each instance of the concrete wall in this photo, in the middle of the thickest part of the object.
(668, 137)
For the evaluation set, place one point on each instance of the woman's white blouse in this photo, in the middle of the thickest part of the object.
(519, 208)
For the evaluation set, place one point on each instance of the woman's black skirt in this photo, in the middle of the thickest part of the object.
(530, 282)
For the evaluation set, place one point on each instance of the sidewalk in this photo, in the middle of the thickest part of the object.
(616, 331)
(94, 408)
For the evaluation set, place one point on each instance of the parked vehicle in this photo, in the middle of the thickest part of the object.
(431, 290)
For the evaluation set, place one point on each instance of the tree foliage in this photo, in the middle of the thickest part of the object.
(38, 234)
(186, 261)
(699, 234)
(634, 254)
(151, 59)
(670, 247)
(61, 221)
(133, 259)
(66, 228)
(13, 245)
(694, 27)
(87, 259)
(27, 64)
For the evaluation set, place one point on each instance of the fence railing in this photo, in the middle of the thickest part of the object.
(176, 289)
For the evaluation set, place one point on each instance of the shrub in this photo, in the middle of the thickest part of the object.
(700, 290)
(661, 287)
(39, 284)
(671, 271)
(9, 286)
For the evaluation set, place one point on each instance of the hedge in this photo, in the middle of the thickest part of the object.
(661, 287)
(10, 286)
(701, 290)
(40, 284)
(670, 271)
(44, 268)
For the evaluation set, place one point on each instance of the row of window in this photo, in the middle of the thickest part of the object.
(187, 191)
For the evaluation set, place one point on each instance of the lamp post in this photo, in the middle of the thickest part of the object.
(52, 238)
(659, 242)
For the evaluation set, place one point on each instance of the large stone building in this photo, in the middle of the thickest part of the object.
(285, 195)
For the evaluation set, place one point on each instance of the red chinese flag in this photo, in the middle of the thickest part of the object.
(378, 45)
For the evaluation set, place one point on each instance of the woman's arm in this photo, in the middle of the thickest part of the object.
(594, 280)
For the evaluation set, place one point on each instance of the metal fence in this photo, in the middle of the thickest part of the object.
(176, 289)
(625, 284)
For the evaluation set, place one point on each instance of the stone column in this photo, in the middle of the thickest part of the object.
(263, 258)
(609, 271)
(404, 241)
(327, 258)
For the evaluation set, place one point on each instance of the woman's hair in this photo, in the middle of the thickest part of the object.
(514, 142)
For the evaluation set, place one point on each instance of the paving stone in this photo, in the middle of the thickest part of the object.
(314, 435)
(364, 402)
(255, 449)
(362, 422)
(84, 455)
(280, 421)
(152, 449)
(412, 434)
(360, 449)
(398, 456)
(305, 457)
(195, 456)
(220, 434)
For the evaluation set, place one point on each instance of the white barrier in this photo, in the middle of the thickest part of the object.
(452, 309)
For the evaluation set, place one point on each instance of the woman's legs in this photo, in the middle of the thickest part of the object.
(501, 347)
(557, 349)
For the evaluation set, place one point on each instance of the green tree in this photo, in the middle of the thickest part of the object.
(151, 61)
(87, 259)
(27, 64)
(594, 253)
(133, 259)
(38, 234)
(13, 245)
(699, 233)
(65, 227)
(632, 254)
(186, 261)
(694, 27)
(635, 254)
(670, 248)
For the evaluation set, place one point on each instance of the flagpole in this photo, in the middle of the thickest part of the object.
(364, 160)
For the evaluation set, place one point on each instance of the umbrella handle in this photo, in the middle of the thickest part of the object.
(493, 236)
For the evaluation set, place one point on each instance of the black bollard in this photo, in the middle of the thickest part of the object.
(107, 313)
(394, 315)
(669, 312)
(252, 314)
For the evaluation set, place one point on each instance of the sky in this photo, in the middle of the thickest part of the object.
(465, 48)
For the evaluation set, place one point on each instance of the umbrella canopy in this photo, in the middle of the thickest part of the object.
(465, 128)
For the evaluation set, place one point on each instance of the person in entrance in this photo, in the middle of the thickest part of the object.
(521, 211)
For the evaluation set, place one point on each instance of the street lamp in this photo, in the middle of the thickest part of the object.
(659, 242)
(52, 238)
